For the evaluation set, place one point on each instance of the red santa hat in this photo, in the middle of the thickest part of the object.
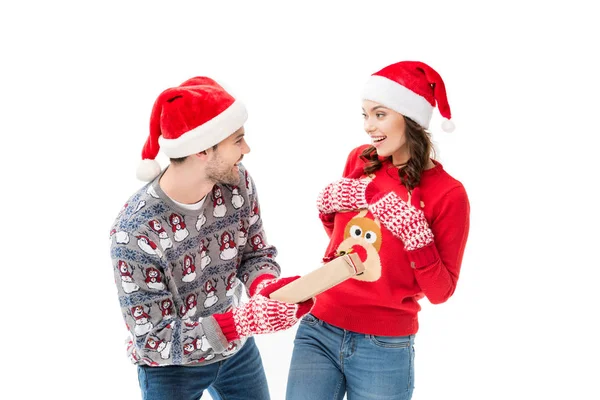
(411, 88)
(188, 119)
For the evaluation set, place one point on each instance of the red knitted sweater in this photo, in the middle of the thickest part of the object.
(384, 299)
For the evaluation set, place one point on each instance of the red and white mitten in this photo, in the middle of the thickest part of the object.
(405, 221)
(344, 194)
(261, 282)
(262, 314)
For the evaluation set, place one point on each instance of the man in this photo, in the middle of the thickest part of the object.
(184, 246)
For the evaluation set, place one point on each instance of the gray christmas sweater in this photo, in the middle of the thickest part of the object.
(174, 267)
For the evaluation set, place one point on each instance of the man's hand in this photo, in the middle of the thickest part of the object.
(262, 314)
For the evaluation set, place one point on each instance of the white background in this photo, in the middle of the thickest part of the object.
(77, 84)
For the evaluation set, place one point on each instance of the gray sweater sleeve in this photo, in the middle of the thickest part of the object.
(258, 257)
(214, 335)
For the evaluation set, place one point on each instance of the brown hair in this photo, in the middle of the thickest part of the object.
(420, 149)
(180, 160)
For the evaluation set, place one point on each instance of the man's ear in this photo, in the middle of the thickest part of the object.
(203, 155)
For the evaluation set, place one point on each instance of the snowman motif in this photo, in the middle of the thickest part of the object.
(204, 256)
(189, 325)
(151, 191)
(164, 240)
(230, 284)
(206, 357)
(154, 279)
(197, 343)
(248, 183)
(210, 291)
(160, 346)
(257, 242)
(237, 200)
(189, 269)
(232, 348)
(166, 307)
(242, 234)
(205, 345)
(183, 312)
(149, 362)
(228, 249)
(219, 208)
(147, 245)
(178, 227)
(192, 303)
(254, 216)
(142, 321)
(121, 237)
(127, 282)
(200, 222)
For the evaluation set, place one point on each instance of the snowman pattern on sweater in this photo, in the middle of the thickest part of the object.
(174, 266)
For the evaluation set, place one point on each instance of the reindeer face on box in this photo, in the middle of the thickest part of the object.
(363, 237)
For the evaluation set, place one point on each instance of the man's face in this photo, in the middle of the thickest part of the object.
(222, 166)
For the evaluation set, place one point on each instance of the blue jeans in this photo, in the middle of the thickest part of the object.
(240, 377)
(328, 362)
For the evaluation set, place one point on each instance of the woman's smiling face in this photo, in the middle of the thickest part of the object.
(387, 130)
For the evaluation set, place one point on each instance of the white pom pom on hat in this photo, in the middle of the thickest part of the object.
(448, 126)
(148, 170)
(411, 88)
(188, 119)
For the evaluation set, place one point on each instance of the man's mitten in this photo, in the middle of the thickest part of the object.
(261, 282)
(262, 314)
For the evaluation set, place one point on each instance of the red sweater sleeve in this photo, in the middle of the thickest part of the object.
(437, 266)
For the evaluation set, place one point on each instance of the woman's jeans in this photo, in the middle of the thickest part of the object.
(240, 377)
(328, 362)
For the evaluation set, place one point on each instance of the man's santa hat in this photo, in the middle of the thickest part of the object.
(411, 88)
(188, 119)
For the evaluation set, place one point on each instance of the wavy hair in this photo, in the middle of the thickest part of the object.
(420, 149)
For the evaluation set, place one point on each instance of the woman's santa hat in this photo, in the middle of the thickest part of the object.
(411, 88)
(188, 119)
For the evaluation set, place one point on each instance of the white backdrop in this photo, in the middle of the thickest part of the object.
(77, 84)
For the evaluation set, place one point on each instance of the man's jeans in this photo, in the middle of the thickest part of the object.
(240, 377)
(328, 362)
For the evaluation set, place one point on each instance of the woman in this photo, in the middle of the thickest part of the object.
(408, 220)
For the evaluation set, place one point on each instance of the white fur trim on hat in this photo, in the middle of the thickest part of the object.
(400, 99)
(207, 134)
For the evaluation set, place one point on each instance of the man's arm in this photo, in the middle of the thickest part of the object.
(260, 274)
(258, 259)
